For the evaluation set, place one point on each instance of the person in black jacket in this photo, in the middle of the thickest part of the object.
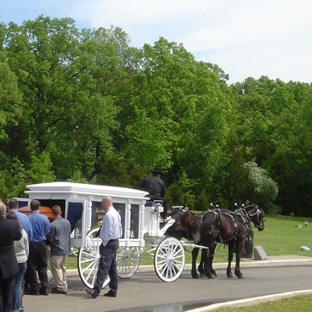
(9, 232)
(155, 187)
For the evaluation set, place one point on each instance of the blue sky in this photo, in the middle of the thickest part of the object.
(246, 38)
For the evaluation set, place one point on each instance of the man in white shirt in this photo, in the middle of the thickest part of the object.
(111, 231)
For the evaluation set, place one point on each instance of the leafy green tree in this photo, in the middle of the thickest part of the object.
(82, 105)
(234, 188)
(10, 111)
(10, 97)
(67, 111)
(262, 189)
(178, 117)
(40, 169)
(275, 132)
(14, 179)
(291, 163)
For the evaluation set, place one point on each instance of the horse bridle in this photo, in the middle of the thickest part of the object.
(188, 234)
(258, 212)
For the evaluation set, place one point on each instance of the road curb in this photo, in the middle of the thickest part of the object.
(252, 264)
(221, 266)
(251, 301)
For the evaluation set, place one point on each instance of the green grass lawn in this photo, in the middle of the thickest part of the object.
(301, 303)
(282, 236)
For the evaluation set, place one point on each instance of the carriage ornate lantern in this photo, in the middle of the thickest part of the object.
(158, 207)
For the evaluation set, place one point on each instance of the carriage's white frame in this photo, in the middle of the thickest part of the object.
(168, 253)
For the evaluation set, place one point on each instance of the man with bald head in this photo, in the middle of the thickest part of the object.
(111, 231)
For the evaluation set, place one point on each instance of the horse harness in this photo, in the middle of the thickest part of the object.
(241, 213)
(186, 229)
(245, 221)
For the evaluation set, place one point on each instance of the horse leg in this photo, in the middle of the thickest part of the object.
(230, 258)
(239, 247)
(194, 257)
(212, 258)
(201, 265)
(208, 256)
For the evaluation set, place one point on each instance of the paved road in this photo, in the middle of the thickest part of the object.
(146, 292)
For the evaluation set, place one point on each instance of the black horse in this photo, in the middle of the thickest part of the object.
(216, 226)
(187, 225)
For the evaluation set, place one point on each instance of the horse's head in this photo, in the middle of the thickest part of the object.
(179, 228)
(256, 215)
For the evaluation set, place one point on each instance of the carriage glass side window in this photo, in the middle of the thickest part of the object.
(121, 208)
(134, 223)
(22, 203)
(98, 214)
(74, 216)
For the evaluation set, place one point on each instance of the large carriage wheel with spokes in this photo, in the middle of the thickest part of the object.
(88, 259)
(169, 259)
(128, 260)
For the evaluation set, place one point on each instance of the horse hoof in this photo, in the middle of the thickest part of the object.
(195, 276)
(239, 274)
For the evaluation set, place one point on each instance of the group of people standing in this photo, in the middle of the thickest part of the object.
(24, 254)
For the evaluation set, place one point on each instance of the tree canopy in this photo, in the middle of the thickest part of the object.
(84, 105)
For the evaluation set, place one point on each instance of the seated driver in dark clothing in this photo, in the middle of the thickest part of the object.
(155, 186)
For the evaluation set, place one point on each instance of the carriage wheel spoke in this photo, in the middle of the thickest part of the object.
(87, 260)
(128, 260)
(169, 259)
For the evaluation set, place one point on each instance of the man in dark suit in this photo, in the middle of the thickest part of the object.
(155, 186)
(9, 232)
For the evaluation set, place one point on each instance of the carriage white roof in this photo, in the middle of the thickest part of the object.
(86, 189)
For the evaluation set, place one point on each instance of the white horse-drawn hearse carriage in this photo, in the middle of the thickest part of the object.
(81, 205)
